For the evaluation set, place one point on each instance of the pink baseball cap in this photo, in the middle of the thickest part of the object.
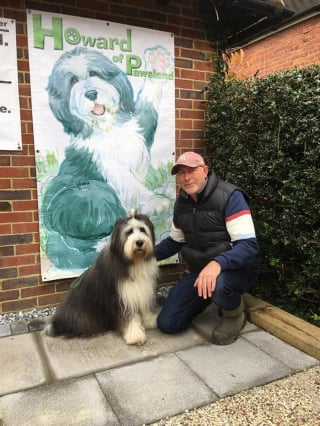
(189, 159)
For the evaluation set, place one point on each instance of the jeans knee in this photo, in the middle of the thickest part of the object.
(166, 325)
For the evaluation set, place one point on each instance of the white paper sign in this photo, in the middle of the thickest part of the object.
(10, 127)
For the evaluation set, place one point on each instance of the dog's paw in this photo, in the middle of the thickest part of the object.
(135, 337)
(150, 320)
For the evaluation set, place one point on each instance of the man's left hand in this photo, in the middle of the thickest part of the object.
(206, 281)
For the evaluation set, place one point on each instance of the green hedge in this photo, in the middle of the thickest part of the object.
(264, 135)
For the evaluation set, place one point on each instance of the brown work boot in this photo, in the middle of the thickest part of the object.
(230, 326)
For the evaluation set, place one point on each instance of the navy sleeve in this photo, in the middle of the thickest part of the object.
(167, 247)
(239, 224)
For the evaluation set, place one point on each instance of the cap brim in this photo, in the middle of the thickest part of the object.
(175, 168)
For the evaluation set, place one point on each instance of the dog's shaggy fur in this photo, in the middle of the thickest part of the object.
(118, 291)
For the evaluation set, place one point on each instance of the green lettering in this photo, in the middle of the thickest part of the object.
(112, 42)
(132, 62)
(125, 45)
(102, 43)
(88, 41)
(40, 33)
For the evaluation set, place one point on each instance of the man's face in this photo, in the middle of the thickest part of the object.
(192, 179)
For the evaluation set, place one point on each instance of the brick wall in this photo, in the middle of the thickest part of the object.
(21, 287)
(295, 46)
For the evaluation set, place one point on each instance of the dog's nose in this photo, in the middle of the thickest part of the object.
(91, 94)
(139, 243)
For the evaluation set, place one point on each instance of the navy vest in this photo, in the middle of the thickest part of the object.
(203, 222)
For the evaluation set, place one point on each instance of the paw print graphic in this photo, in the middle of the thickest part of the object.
(158, 59)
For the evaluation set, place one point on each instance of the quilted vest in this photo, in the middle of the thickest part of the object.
(203, 222)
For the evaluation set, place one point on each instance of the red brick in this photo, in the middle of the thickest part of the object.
(53, 299)
(9, 295)
(23, 161)
(19, 305)
(8, 272)
(13, 217)
(27, 248)
(17, 260)
(4, 160)
(25, 205)
(25, 227)
(17, 283)
(6, 251)
(15, 172)
(38, 291)
(29, 270)
(5, 229)
(5, 183)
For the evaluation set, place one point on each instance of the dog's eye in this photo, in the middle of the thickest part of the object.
(143, 230)
(74, 80)
(92, 74)
(129, 231)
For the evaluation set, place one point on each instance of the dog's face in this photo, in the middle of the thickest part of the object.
(95, 101)
(133, 238)
(87, 90)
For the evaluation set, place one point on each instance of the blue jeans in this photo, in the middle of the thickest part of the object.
(183, 303)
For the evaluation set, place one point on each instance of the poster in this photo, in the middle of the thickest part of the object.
(103, 106)
(10, 127)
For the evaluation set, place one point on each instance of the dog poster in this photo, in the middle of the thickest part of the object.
(103, 105)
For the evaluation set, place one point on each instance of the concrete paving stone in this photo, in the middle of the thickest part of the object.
(21, 364)
(77, 402)
(233, 368)
(282, 351)
(205, 322)
(151, 390)
(19, 327)
(77, 357)
(5, 330)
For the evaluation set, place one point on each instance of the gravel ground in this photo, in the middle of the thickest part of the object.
(34, 314)
(292, 401)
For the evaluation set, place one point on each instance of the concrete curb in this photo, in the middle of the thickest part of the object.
(285, 326)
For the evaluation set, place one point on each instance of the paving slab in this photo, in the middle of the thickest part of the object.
(5, 330)
(233, 368)
(19, 327)
(69, 358)
(151, 390)
(289, 355)
(21, 364)
(77, 402)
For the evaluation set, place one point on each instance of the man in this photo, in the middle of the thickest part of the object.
(213, 228)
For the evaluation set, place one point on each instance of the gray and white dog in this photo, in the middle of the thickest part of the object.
(118, 291)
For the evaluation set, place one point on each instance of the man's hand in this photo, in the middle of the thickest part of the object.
(206, 281)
